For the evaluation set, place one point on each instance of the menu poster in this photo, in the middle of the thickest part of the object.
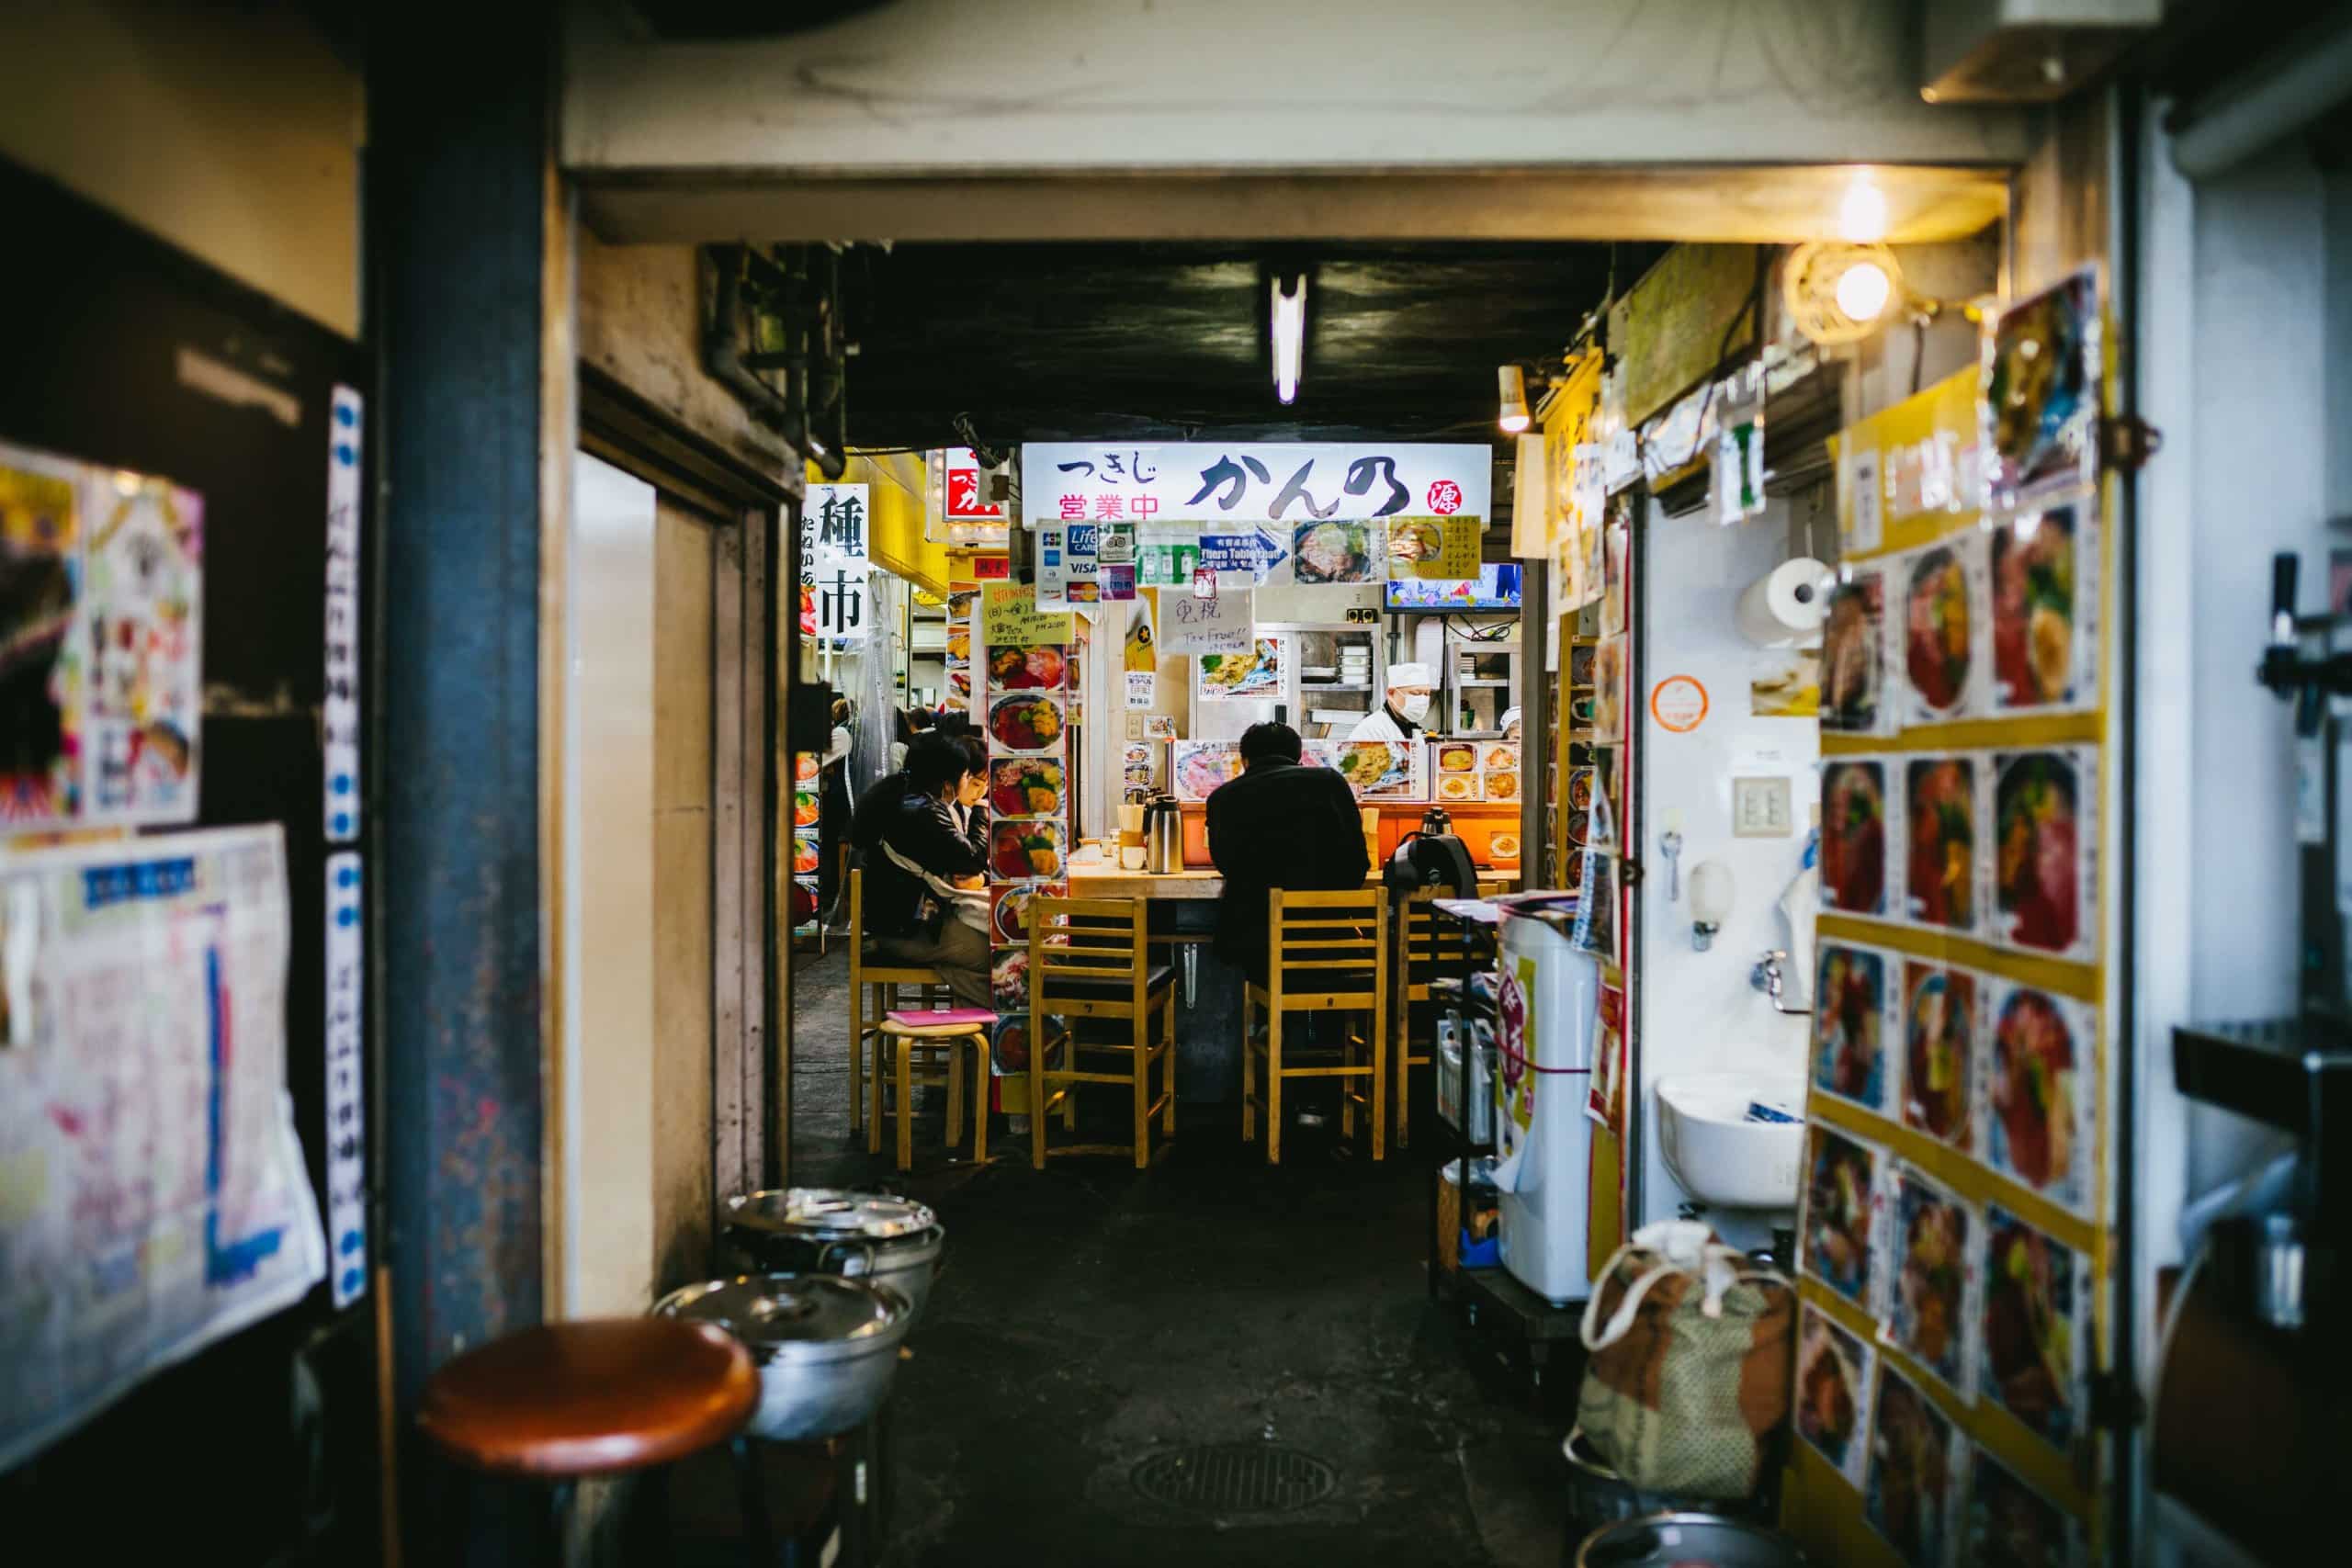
(1033, 703)
(1010, 615)
(1962, 803)
(101, 626)
(157, 1198)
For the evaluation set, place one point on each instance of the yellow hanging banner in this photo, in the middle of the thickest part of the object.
(1575, 499)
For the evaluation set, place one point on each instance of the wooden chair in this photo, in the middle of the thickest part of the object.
(1416, 966)
(884, 977)
(1327, 953)
(1427, 947)
(1090, 959)
(904, 1038)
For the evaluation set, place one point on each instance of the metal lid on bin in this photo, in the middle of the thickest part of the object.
(830, 1214)
(815, 1318)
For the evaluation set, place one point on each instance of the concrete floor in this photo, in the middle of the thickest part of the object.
(1093, 1315)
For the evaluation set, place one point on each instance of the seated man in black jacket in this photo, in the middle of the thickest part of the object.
(1279, 825)
(924, 860)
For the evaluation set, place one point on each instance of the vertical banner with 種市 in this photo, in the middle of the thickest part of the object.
(1955, 1216)
(834, 560)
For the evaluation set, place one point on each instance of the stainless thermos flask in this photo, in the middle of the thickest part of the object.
(1163, 835)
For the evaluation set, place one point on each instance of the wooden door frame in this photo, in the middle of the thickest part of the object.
(750, 999)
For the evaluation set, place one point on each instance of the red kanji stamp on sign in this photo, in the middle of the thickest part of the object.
(1445, 498)
(1073, 509)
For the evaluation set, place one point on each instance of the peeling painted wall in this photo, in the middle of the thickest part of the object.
(640, 320)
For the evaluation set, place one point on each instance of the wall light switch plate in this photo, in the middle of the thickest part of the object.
(1762, 809)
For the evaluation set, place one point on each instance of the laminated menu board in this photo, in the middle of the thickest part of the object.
(1199, 767)
(1253, 674)
(101, 645)
(1959, 1073)
(1465, 770)
(156, 1195)
(1377, 770)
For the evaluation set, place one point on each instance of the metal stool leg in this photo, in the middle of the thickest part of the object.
(649, 1531)
(554, 1523)
(759, 1533)
(456, 1514)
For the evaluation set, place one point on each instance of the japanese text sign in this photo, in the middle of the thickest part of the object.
(1010, 616)
(1221, 625)
(1280, 482)
(833, 561)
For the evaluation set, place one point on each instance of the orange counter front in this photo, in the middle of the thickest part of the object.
(1489, 831)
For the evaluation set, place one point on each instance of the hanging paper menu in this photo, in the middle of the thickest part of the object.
(101, 636)
(156, 1196)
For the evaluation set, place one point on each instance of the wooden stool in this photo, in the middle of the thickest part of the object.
(567, 1400)
(882, 978)
(1327, 953)
(1090, 958)
(903, 1035)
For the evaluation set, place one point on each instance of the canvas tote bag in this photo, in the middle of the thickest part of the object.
(1688, 1373)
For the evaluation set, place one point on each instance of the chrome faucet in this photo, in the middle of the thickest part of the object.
(1767, 977)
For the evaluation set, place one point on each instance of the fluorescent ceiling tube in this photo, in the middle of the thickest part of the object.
(1290, 337)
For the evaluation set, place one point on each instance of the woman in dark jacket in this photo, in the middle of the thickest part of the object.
(924, 862)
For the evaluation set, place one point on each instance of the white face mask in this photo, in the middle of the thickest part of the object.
(1413, 705)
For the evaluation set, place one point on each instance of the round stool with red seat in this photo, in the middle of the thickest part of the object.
(564, 1402)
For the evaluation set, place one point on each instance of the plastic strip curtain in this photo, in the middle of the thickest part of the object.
(873, 687)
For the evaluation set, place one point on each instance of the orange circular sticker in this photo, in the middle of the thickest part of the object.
(1679, 702)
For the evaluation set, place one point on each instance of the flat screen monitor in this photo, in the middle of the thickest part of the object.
(1497, 588)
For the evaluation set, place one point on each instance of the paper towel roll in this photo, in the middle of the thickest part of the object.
(1784, 606)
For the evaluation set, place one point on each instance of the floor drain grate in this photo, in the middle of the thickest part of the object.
(1234, 1478)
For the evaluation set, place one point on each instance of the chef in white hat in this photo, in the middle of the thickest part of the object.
(1409, 687)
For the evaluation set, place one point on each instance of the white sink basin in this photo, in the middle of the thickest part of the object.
(1721, 1158)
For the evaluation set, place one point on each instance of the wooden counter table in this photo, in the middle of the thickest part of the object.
(1104, 880)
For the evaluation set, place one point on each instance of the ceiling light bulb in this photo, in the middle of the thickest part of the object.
(1289, 338)
(1863, 290)
(1861, 217)
(1514, 383)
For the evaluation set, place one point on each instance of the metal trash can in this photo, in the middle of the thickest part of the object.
(1659, 1540)
(1599, 1497)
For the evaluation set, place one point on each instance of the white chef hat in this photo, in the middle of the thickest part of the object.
(1509, 718)
(1410, 675)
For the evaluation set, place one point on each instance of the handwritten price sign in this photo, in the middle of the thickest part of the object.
(1221, 625)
